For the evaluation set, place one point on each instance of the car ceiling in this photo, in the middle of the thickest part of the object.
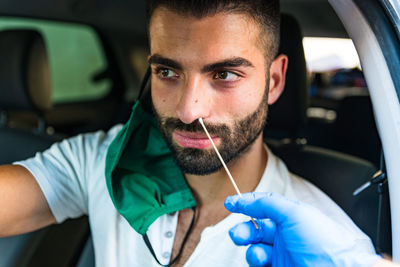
(129, 16)
(322, 21)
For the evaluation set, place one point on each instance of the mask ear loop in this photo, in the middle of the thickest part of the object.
(148, 244)
(144, 83)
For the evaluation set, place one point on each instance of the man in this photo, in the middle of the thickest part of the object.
(215, 60)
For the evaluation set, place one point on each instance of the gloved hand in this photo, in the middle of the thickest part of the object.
(292, 233)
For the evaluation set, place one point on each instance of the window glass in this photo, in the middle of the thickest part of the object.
(334, 68)
(396, 6)
(75, 57)
(326, 54)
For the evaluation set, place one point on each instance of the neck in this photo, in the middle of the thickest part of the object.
(247, 171)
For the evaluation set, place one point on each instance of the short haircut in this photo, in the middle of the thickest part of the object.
(264, 12)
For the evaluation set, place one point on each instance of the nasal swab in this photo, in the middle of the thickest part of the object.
(223, 164)
(220, 158)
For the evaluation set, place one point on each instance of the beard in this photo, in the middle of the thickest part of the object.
(234, 143)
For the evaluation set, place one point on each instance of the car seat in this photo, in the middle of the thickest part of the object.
(287, 116)
(335, 173)
(355, 121)
(25, 87)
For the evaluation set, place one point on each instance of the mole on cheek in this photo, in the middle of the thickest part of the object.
(163, 100)
(196, 101)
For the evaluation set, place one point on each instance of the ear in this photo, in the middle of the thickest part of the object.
(277, 76)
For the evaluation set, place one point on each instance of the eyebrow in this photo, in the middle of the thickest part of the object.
(231, 62)
(160, 60)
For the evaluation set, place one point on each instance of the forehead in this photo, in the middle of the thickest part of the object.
(216, 37)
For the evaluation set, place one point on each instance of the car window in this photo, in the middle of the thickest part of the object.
(394, 13)
(334, 73)
(75, 57)
(334, 68)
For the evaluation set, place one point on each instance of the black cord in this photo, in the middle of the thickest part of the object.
(380, 201)
(150, 247)
(144, 82)
(378, 225)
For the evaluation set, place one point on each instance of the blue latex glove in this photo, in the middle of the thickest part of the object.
(295, 234)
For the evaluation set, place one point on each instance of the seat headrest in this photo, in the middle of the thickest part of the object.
(24, 71)
(288, 114)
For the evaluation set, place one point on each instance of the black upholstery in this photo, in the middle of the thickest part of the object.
(57, 245)
(15, 47)
(355, 121)
(21, 144)
(288, 114)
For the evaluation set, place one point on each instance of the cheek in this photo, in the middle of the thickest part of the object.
(243, 102)
(163, 98)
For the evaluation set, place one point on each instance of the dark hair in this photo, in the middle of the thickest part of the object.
(265, 12)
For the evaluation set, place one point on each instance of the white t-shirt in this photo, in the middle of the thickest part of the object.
(71, 176)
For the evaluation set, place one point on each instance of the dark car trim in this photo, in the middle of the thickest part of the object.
(377, 16)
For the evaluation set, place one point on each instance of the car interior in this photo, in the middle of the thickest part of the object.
(40, 103)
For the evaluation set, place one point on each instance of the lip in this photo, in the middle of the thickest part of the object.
(193, 140)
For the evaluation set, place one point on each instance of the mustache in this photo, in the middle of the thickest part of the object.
(214, 129)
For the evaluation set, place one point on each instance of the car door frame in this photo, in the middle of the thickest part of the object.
(377, 42)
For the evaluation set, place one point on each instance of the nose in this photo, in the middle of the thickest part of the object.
(194, 102)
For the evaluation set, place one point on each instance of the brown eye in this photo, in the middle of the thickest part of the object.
(166, 73)
(227, 76)
(222, 75)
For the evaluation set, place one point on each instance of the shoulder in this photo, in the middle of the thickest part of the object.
(99, 138)
(94, 143)
(75, 154)
(294, 186)
(302, 190)
(298, 188)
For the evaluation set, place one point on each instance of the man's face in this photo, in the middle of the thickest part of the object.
(211, 68)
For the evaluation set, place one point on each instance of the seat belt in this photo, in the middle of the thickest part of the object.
(380, 179)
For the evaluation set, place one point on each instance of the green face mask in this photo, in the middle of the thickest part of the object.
(142, 179)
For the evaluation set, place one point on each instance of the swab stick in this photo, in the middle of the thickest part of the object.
(223, 164)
